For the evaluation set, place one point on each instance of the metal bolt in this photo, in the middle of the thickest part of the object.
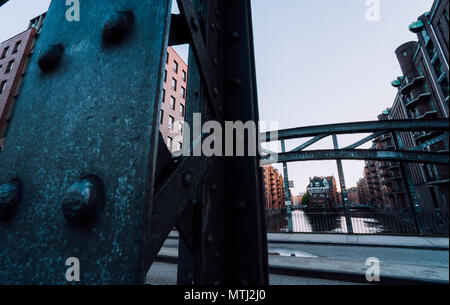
(216, 91)
(82, 200)
(215, 62)
(195, 24)
(209, 239)
(220, 109)
(50, 59)
(117, 26)
(10, 196)
(241, 205)
(187, 180)
(213, 26)
(236, 82)
(235, 36)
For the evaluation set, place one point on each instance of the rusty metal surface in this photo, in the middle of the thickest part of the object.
(89, 108)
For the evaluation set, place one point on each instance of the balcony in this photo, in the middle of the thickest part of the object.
(423, 137)
(428, 115)
(413, 103)
(412, 84)
(438, 182)
(416, 26)
(393, 166)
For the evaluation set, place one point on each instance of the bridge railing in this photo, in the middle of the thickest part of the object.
(433, 223)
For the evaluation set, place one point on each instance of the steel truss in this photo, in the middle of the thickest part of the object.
(84, 174)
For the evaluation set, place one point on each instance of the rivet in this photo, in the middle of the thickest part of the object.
(117, 26)
(217, 282)
(215, 62)
(243, 282)
(214, 188)
(213, 26)
(220, 108)
(209, 239)
(236, 82)
(235, 36)
(195, 24)
(217, 12)
(241, 205)
(50, 59)
(82, 200)
(187, 180)
(216, 255)
(10, 196)
(218, 26)
(216, 91)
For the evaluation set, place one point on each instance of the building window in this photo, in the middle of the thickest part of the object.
(171, 120)
(161, 117)
(9, 66)
(163, 96)
(5, 50)
(17, 47)
(2, 86)
(180, 127)
(175, 66)
(183, 92)
(174, 84)
(183, 75)
(182, 110)
(167, 57)
(180, 146)
(169, 143)
(165, 75)
(172, 102)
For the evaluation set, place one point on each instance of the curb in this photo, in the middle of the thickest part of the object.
(291, 242)
(330, 275)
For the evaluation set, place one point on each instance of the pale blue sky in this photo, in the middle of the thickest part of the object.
(318, 62)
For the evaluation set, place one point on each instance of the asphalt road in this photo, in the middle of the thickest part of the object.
(433, 258)
(166, 274)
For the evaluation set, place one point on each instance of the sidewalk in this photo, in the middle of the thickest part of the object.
(413, 242)
(387, 241)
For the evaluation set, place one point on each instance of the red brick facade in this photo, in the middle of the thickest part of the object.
(14, 56)
(173, 102)
(273, 188)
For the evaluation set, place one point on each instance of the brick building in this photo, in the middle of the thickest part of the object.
(363, 190)
(322, 193)
(423, 92)
(14, 57)
(173, 103)
(273, 188)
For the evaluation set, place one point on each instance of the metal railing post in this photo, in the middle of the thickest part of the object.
(287, 196)
(409, 184)
(343, 188)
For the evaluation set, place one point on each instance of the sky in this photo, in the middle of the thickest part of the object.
(317, 62)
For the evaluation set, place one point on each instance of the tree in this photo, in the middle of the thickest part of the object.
(305, 199)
